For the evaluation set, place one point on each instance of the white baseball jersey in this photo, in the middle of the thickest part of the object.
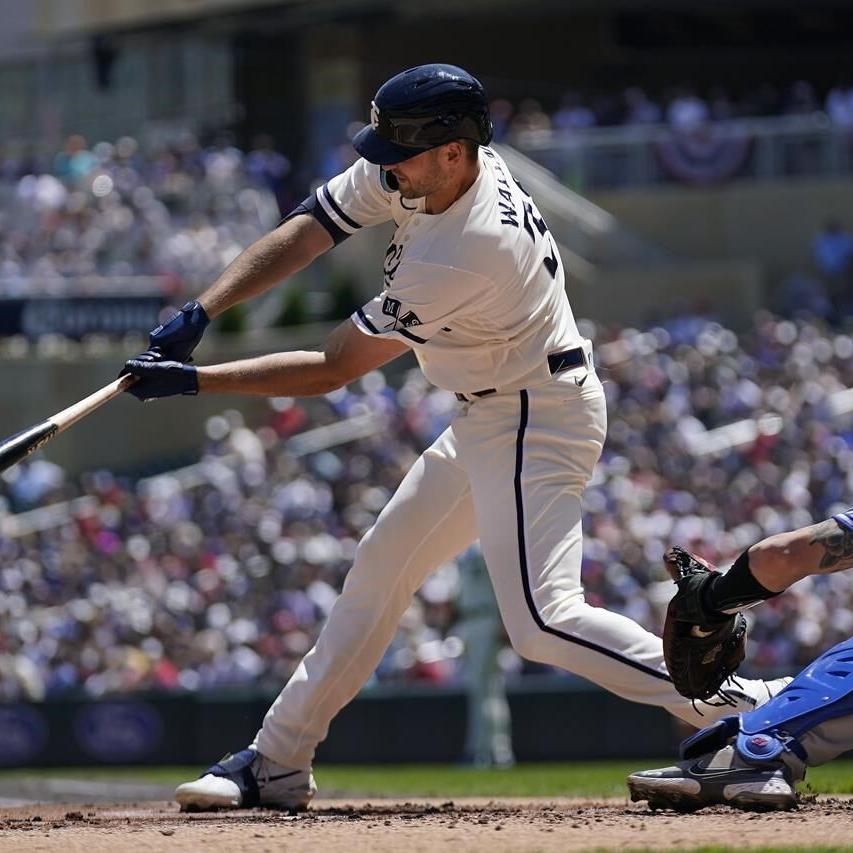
(478, 291)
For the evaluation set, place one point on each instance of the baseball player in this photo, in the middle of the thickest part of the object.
(473, 284)
(488, 737)
(752, 761)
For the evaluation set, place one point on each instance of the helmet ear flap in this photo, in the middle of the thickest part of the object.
(389, 182)
(488, 130)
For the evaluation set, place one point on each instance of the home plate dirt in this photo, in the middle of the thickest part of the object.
(424, 825)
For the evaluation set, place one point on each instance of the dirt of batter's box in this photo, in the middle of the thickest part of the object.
(386, 826)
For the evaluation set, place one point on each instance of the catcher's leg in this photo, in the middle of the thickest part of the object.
(809, 723)
(428, 521)
(529, 456)
(752, 760)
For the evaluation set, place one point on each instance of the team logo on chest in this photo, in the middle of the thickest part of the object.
(393, 255)
(392, 307)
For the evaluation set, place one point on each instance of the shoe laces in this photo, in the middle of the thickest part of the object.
(724, 697)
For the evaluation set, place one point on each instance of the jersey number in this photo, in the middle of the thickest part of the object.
(533, 220)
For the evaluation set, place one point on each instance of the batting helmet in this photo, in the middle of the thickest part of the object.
(423, 108)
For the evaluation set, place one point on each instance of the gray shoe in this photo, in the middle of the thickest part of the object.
(719, 778)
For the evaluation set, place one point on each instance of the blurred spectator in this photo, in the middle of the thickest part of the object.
(501, 111)
(686, 110)
(721, 106)
(832, 248)
(839, 105)
(75, 161)
(639, 108)
(530, 117)
(800, 294)
(801, 99)
(269, 168)
(488, 737)
(763, 100)
(573, 114)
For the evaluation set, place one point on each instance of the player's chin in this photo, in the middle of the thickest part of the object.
(409, 192)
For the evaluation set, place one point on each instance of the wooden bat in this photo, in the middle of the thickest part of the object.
(22, 444)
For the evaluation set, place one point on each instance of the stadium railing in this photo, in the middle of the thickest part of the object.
(643, 155)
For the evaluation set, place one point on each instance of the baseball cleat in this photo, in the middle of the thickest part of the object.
(245, 780)
(719, 778)
(774, 686)
(748, 694)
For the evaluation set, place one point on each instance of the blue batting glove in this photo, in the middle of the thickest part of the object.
(181, 333)
(159, 377)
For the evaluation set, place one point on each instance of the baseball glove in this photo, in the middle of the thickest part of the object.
(701, 649)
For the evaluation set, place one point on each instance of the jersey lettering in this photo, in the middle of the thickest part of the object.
(531, 215)
(534, 220)
(506, 203)
(508, 214)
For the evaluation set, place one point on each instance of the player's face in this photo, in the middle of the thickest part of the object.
(421, 175)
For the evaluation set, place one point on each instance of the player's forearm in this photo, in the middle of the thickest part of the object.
(784, 558)
(267, 262)
(284, 374)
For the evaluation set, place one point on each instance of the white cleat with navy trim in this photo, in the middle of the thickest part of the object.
(247, 780)
(745, 695)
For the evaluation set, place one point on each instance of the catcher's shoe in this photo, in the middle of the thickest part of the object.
(719, 778)
(245, 780)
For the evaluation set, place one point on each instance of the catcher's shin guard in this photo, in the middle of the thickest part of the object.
(823, 691)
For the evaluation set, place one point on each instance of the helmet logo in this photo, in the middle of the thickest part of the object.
(374, 115)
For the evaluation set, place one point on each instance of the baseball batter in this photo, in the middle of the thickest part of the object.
(474, 285)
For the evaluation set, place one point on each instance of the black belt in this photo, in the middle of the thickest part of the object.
(557, 363)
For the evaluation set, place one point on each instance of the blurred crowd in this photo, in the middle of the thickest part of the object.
(178, 216)
(179, 213)
(222, 574)
(683, 107)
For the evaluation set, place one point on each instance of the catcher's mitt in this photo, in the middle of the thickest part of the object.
(701, 650)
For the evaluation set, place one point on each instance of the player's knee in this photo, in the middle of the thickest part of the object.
(530, 642)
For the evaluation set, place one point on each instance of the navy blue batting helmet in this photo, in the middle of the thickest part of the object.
(423, 108)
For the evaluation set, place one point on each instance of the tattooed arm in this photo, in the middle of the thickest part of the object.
(819, 549)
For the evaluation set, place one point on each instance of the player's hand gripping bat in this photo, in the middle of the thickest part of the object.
(22, 444)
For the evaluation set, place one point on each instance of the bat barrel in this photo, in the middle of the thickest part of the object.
(22, 444)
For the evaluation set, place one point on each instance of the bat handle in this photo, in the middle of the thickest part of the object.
(87, 405)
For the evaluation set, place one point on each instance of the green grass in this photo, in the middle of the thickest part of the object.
(592, 779)
(717, 849)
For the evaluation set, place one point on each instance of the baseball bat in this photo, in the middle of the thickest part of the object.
(22, 444)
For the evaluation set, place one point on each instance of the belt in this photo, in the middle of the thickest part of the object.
(557, 363)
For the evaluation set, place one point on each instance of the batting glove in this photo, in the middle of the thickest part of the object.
(159, 377)
(181, 333)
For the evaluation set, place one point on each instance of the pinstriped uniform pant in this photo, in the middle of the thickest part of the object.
(510, 470)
